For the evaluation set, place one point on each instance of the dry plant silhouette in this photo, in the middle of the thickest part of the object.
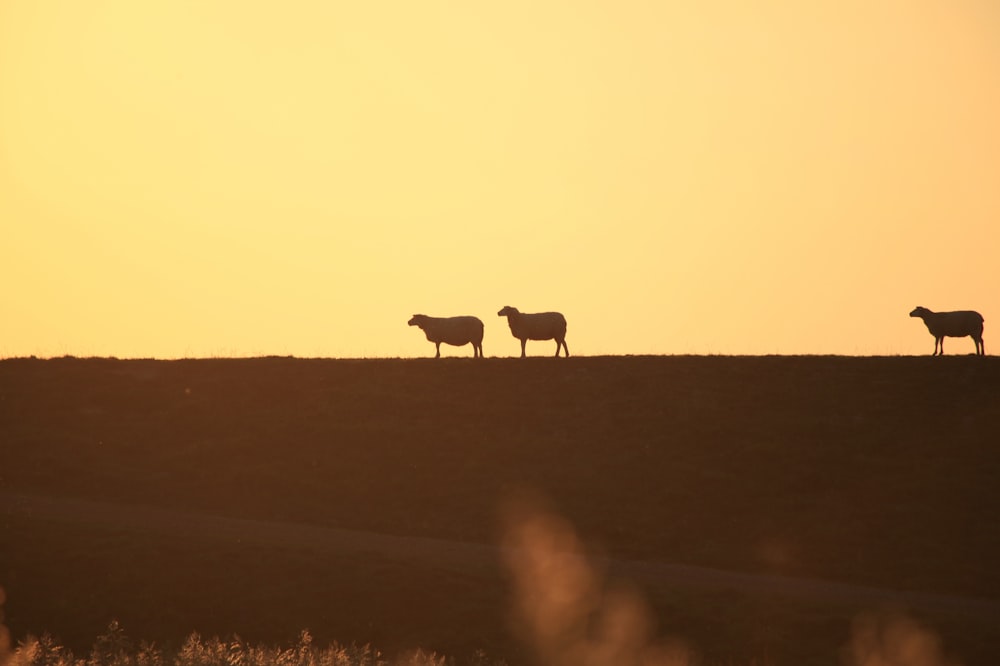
(564, 609)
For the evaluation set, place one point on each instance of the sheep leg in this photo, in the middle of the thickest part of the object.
(564, 346)
(939, 344)
(524, 344)
(438, 346)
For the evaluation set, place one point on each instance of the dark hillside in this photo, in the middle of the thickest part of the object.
(880, 471)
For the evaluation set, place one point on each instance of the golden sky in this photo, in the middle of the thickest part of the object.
(235, 178)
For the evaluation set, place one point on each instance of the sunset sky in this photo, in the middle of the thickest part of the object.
(187, 179)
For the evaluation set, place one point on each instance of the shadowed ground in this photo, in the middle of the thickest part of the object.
(874, 472)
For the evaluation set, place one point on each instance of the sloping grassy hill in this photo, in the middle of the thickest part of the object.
(878, 471)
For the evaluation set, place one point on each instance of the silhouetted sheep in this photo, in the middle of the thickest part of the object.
(539, 326)
(457, 331)
(953, 325)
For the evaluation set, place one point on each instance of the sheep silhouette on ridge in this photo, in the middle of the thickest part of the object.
(953, 325)
(456, 331)
(538, 326)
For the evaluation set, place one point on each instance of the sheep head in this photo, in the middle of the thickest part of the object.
(507, 311)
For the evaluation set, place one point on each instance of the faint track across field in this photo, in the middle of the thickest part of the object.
(460, 556)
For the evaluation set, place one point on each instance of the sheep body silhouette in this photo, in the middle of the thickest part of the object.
(537, 326)
(455, 331)
(956, 324)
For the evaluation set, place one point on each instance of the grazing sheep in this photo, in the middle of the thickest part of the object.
(954, 325)
(539, 326)
(457, 331)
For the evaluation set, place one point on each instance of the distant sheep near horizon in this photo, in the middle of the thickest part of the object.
(957, 324)
(537, 326)
(455, 331)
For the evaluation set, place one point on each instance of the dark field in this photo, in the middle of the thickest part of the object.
(879, 472)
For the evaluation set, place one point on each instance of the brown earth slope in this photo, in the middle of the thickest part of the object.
(873, 471)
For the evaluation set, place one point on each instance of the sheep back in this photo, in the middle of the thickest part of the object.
(956, 324)
(535, 326)
(455, 331)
